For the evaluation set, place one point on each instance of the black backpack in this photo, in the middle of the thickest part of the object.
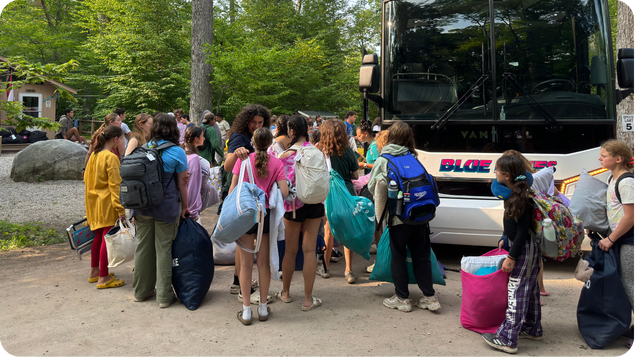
(617, 184)
(142, 177)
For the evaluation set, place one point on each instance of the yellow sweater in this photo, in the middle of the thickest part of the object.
(102, 182)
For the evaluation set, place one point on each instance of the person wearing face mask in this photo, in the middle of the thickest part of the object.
(249, 119)
(119, 149)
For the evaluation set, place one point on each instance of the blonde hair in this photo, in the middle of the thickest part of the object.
(618, 148)
(137, 132)
(381, 139)
(107, 121)
(528, 166)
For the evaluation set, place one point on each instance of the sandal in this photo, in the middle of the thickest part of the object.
(266, 317)
(240, 318)
(96, 279)
(316, 302)
(112, 283)
(283, 299)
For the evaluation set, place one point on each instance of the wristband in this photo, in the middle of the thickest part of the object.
(511, 258)
(609, 238)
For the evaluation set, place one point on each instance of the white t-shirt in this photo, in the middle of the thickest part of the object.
(614, 209)
(126, 130)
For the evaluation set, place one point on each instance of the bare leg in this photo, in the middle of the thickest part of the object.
(541, 284)
(311, 227)
(328, 241)
(264, 269)
(348, 255)
(237, 264)
(94, 272)
(73, 132)
(292, 244)
(247, 263)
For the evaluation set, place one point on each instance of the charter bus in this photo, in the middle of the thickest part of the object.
(476, 77)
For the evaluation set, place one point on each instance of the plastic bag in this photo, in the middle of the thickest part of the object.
(121, 243)
(224, 253)
(192, 263)
(484, 300)
(383, 272)
(604, 311)
(473, 264)
(352, 219)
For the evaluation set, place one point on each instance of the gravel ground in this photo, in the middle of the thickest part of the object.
(56, 204)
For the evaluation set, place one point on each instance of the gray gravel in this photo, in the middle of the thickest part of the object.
(56, 204)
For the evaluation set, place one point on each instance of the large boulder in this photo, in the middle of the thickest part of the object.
(49, 160)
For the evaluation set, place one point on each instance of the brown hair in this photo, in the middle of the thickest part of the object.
(618, 148)
(178, 111)
(247, 114)
(519, 198)
(109, 133)
(381, 139)
(191, 134)
(401, 134)
(333, 139)
(107, 121)
(137, 132)
(262, 140)
(164, 127)
(528, 166)
(315, 137)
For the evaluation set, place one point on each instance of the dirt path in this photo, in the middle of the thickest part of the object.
(48, 308)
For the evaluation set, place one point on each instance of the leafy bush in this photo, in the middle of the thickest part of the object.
(20, 235)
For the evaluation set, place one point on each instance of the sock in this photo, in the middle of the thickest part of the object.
(236, 282)
(262, 309)
(246, 313)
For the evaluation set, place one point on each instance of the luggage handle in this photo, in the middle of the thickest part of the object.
(260, 214)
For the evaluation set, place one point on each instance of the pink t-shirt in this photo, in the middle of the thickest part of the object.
(289, 164)
(274, 167)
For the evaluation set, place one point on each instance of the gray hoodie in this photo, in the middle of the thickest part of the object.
(378, 182)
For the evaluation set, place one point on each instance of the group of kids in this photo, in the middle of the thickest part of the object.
(272, 162)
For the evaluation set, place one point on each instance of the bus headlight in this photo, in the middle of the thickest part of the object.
(569, 181)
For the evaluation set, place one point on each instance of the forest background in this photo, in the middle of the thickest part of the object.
(136, 54)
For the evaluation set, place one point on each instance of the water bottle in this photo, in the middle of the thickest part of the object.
(393, 190)
(548, 230)
(399, 209)
(503, 113)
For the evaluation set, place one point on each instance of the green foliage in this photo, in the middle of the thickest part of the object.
(24, 72)
(20, 235)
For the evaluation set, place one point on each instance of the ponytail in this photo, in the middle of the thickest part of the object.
(106, 135)
(262, 140)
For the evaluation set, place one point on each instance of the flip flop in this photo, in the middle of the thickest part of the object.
(316, 302)
(96, 279)
(264, 318)
(279, 296)
(112, 283)
(544, 293)
(240, 318)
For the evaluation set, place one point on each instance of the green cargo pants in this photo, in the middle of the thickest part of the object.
(153, 258)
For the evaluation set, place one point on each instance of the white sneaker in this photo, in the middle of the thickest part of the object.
(395, 302)
(255, 297)
(429, 302)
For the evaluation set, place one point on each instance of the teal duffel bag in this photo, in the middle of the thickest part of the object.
(382, 271)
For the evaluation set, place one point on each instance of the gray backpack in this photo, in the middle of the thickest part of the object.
(142, 177)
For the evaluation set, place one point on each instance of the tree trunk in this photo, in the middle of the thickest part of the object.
(624, 40)
(299, 6)
(232, 13)
(202, 33)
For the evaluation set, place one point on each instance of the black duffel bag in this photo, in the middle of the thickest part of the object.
(36, 136)
(7, 131)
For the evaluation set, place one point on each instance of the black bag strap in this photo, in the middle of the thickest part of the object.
(617, 184)
(383, 214)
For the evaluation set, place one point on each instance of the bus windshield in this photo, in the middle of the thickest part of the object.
(554, 51)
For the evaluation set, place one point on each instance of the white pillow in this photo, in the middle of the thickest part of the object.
(543, 180)
(589, 202)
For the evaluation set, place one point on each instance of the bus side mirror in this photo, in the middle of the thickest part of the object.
(369, 74)
(625, 67)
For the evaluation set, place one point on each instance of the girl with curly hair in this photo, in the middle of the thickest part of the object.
(522, 319)
(299, 217)
(268, 170)
(335, 144)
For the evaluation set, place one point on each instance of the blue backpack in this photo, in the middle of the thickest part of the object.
(420, 194)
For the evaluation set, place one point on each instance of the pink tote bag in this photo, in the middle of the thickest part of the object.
(484, 300)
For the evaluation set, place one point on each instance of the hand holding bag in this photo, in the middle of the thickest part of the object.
(121, 243)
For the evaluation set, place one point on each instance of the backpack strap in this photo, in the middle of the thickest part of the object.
(617, 184)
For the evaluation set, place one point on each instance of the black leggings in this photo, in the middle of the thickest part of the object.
(417, 239)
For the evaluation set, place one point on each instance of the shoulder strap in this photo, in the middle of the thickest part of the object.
(617, 185)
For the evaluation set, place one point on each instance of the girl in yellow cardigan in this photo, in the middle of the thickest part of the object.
(102, 181)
